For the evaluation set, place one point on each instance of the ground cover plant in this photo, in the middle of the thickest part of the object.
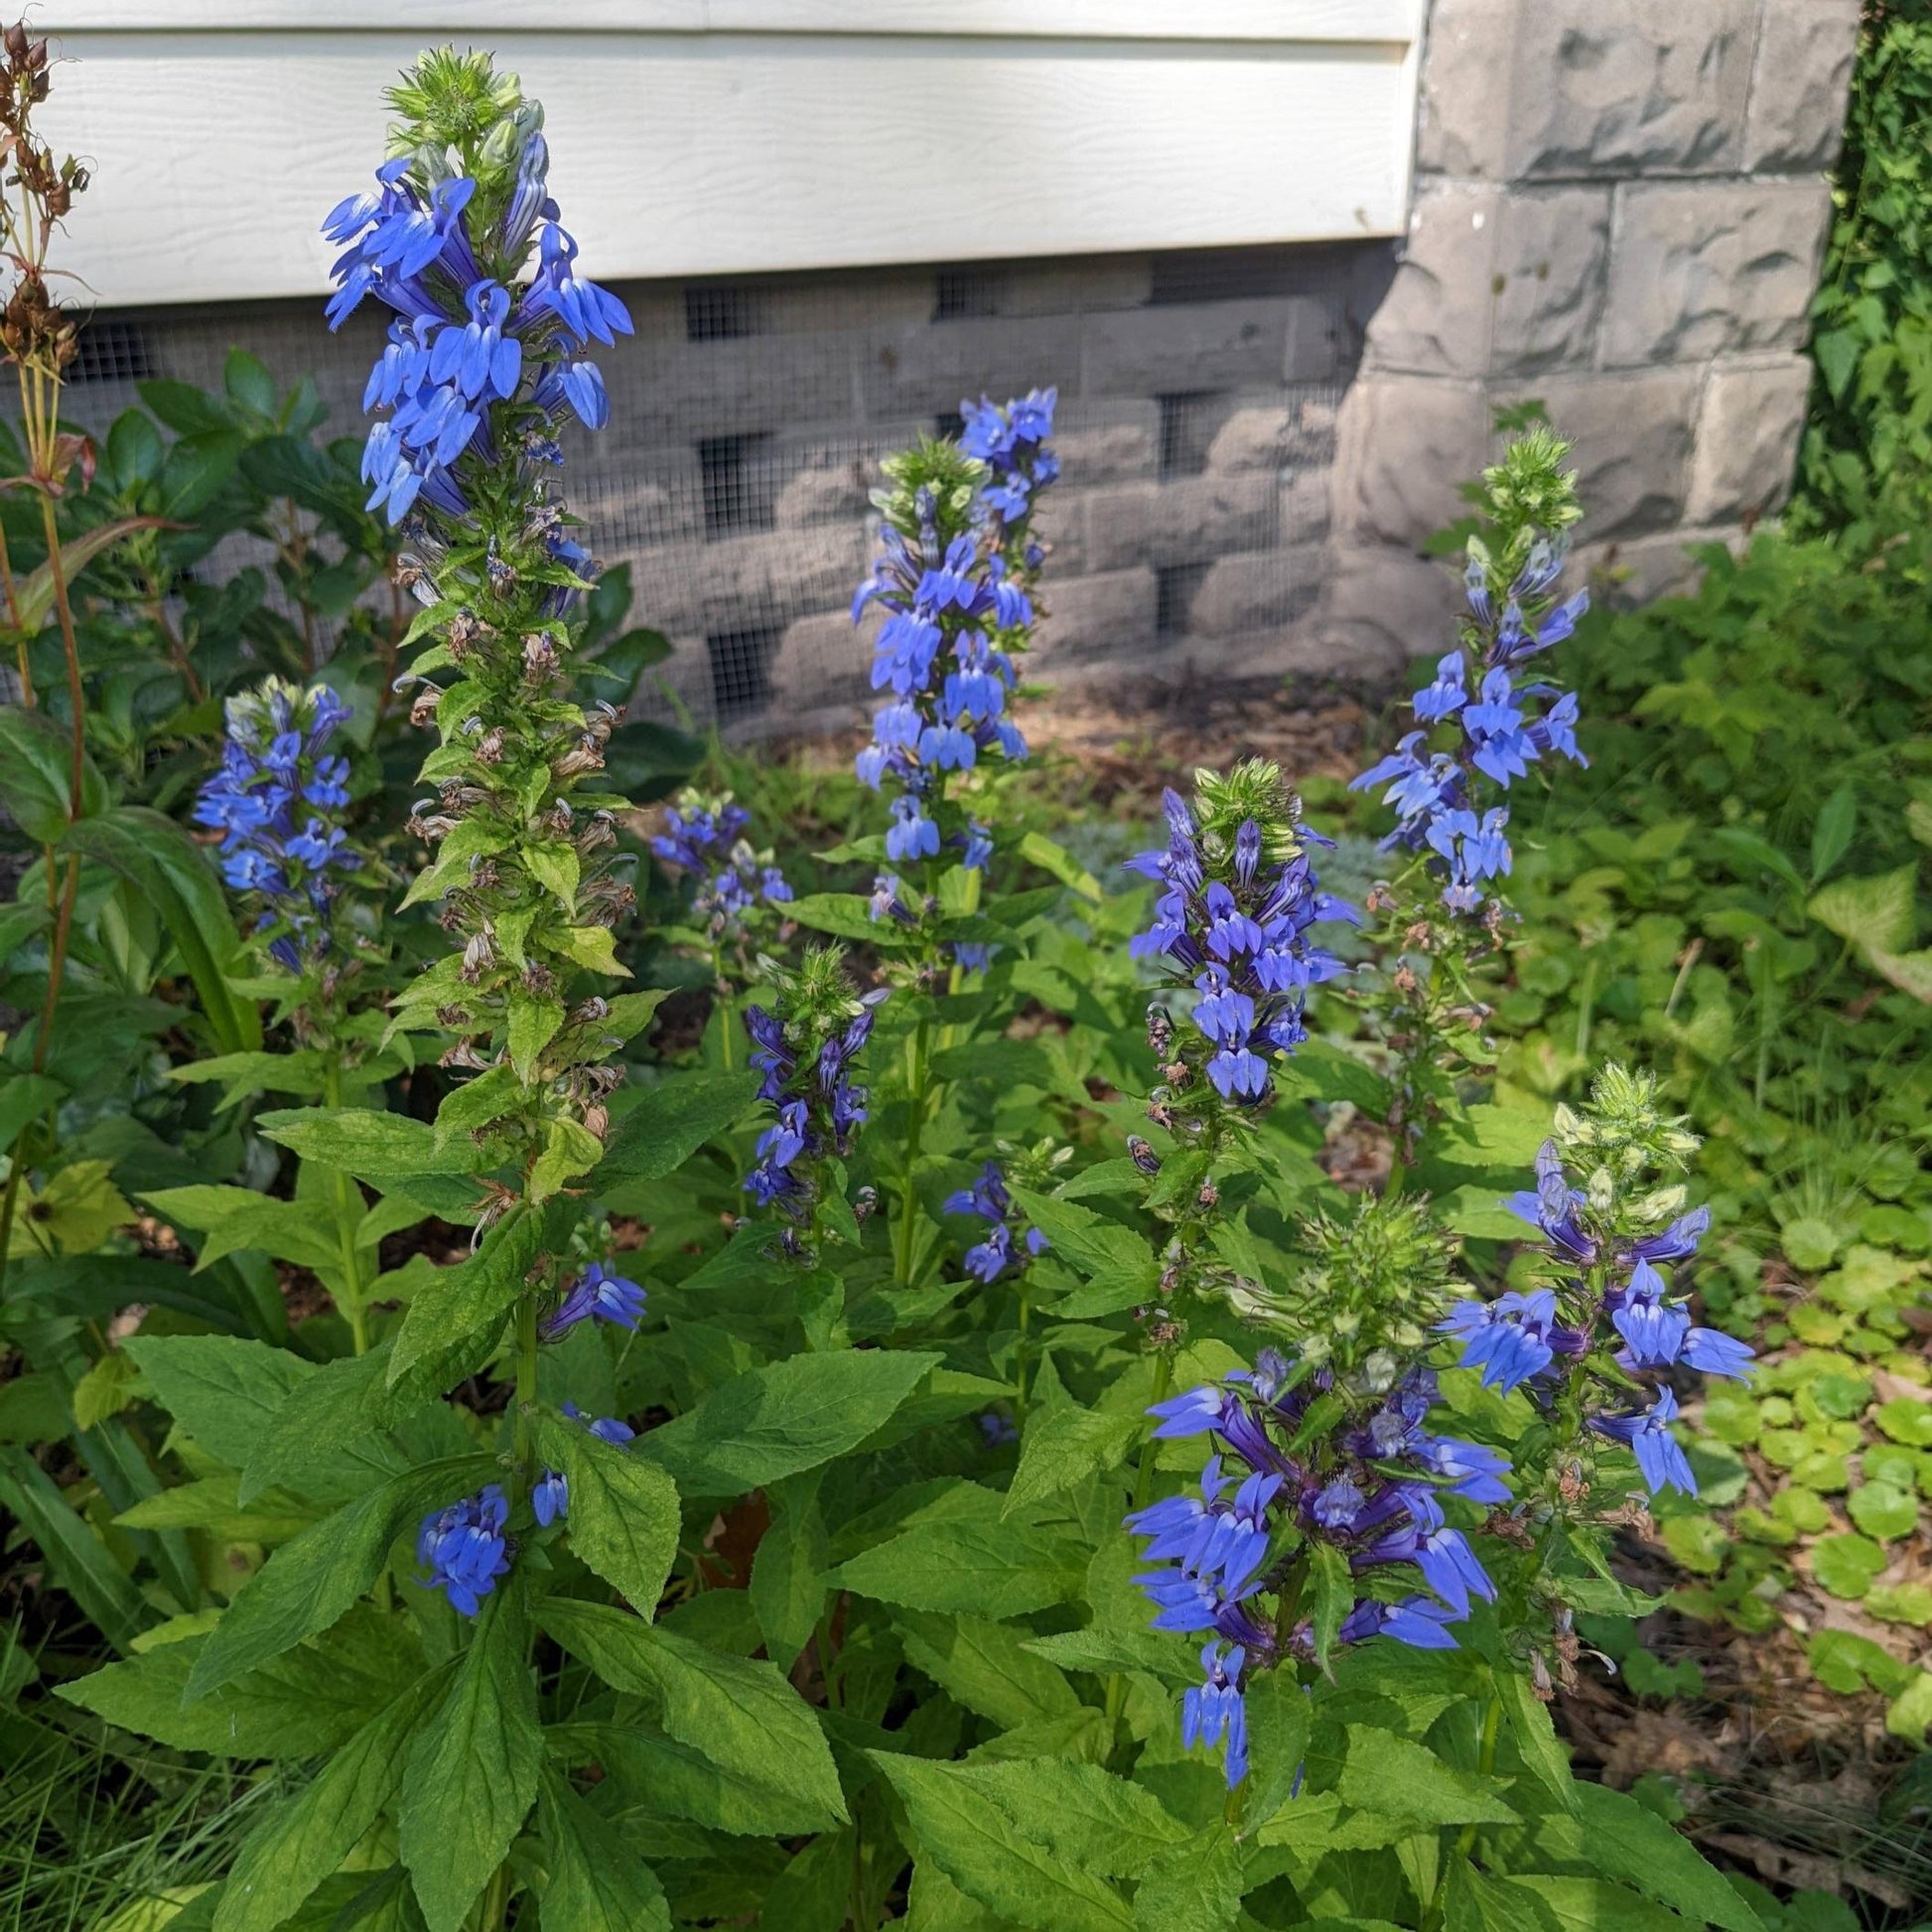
(926, 1436)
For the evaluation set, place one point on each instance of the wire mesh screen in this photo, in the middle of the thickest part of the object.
(1198, 394)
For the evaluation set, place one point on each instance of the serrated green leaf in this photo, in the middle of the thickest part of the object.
(472, 1768)
(1388, 1774)
(979, 1847)
(741, 1714)
(371, 1146)
(1063, 1446)
(622, 1512)
(671, 1122)
(1624, 1840)
(985, 1667)
(965, 1556)
(595, 1878)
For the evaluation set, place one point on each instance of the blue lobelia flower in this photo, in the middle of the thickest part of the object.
(704, 837)
(1662, 1460)
(274, 800)
(465, 1548)
(987, 1259)
(598, 1295)
(480, 364)
(1302, 1459)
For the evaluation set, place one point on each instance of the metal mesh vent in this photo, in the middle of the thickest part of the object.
(721, 312)
(962, 293)
(736, 475)
(110, 351)
(740, 669)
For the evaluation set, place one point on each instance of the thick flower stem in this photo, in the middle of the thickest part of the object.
(354, 1291)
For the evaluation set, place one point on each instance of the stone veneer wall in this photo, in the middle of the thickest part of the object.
(1619, 211)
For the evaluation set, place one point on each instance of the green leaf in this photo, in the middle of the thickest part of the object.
(35, 774)
(534, 1020)
(1906, 1421)
(1109, 1254)
(1039, 850)
(973, 1841)
(1080, 1812)
(222, 1390)
(1846, 1566)
(846, 916)
(671, 1122)
(962, 1555)
(168, 869)
(79, 1562)
(473, 1769)
(1386, 1773)
(985, 1667)
(1624, 1840)
(1832, 835)
(1595, 1906)
(1331, 1596)
(340, 1403)
(788, 1588)
(371, 1146)
(673, 1780)
(597, 1881)
(1278, 1721)
(307, 1584)
(1883, 1511)
(623, 1511)
(1535, 1737)
(302, 1842)
(741, 1715)
(773, 1421)
(25, 1097)
(299, 1706)
(1194, 1887)
(460, 1312)
(1475, 1902)
(1876, 914)
(1063, 1446)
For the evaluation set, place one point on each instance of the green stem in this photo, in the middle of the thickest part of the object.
(355, 1297)
(727, 1047)
(915, 1105)
(526, 1390)
(1020, 1361)
(1143, 1491)
(1492, 1723)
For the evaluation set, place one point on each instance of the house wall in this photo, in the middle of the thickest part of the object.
(1618, 210)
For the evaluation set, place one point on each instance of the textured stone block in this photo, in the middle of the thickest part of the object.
(741, 581)
(1252, 436)
(1634, 436)
(854, 299)
(1383, 607)
(680, 390)
(1049, 288)
(1061, 523)
(1643, 86)
(1698, 269)
(1314, 428)
(1182, 522)
(928, 368)
(1552, 264)
(1175, 347)
(1404, 445)
(823, 660)
(825, 474)
(1111, 611)
(1462, 131)
(1747, 440)
(1248, 593)
(1435, 318)
(1308, 505)
(1495, 280)
(1623, 575)
(1805, 50)
(1107, 440)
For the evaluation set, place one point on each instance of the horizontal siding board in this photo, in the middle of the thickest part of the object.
(1266, 20)
(682, 155)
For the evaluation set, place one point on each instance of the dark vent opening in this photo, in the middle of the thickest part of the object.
(738, 479)
(720, 312)
(1226, 274)
(949, 423)
(740, 669)
(112, 351)
(1186, 428)
(1175, 586)
(963, 293)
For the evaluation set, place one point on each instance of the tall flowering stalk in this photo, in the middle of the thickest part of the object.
(1231, 941)
(954, 578)
(1488, 716)
(738, 889)
(806, 1047)
(1323, 1515)
(1592, 1343)
(485, 362)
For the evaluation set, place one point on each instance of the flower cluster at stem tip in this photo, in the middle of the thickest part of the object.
(276, 800)
(1513, 716)
(444, 239)
(1606, 1314)
(996, 1253)
(805, 1045)
(954, 578)
(1230, 927)
(703, 837)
